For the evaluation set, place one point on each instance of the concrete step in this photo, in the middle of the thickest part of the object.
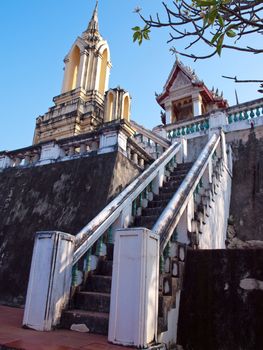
(172, 183)
(93, 301)
(95, 321)
(104, 268)
(176, 177)
(184, 166)
(164, 196)
(98, 283)
(152, 211)
(145, 221)
(157, 203)
(169, 190)
(179, 172)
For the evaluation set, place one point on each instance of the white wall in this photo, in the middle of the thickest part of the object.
(213, 234)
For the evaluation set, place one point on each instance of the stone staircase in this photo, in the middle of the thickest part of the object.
(90, 305)
(155, 207)
(171, 272)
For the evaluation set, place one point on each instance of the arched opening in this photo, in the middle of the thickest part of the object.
(73, 69)
(109, 108)
(126, 108)
(103, 71)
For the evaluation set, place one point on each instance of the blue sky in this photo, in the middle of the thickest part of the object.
(37, 34)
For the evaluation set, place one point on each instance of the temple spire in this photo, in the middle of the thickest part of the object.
(94, 22)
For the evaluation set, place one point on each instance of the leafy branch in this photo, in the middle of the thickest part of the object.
(207, 21)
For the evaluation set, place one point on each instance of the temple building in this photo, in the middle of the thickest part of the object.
(108, 227)
(85, 103)
(185, 96)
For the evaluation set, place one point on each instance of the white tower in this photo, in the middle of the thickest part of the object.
(87, 65)
(80, 106)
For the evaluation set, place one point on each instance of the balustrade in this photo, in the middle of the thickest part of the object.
(245, 114)
(193, 128)
(23, 159)
(188, 128)
(181, 224)
(96, 237)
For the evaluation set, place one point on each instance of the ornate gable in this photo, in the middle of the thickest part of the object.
(180, 81)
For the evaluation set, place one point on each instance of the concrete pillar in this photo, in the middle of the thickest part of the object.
(82, 71)
(65, 79)
(134, 291)
(168, 111)
(135, 158)
(36, 157)
(49, 281)
(71, 151)
(141, 162)
(94, 146)
(83, 148)
(197, 106)
(5, 162)
(27, 159)
(17, 161)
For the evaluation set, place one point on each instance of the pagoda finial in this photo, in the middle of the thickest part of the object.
(92, 32)
(94, 22)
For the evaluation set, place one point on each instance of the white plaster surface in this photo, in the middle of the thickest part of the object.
(49, 152)
(49, 281)
(134, 293)
(170, 337)
(213, 234)
(5, 162)
(251, 284)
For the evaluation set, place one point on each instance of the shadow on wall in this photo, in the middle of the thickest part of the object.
(247, 186)
(221, 303)
(63, 196)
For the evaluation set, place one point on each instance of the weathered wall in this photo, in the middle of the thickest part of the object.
(221, 303)
(64, 196)
(214, 231)
(195, 147)
(247, 187)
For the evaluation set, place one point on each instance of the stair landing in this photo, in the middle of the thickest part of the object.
(12, 336)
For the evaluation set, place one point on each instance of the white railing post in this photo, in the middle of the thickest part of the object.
(50, 152)
(134, 291)
(181, 156)
(49, 281)
(5, 162)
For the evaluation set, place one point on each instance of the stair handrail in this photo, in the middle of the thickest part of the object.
(170, 217)
(97, 226)
(151, 135)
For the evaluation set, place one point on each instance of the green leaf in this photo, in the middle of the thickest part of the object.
(146, 35)
(212, 15)
(230, 33)
(136, 28)
(205, 2)
(136, 36)
(220, 44)
(215, 37)
(221, 21)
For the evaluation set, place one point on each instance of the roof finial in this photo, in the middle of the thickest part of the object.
(92, 32)
(94, 22)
